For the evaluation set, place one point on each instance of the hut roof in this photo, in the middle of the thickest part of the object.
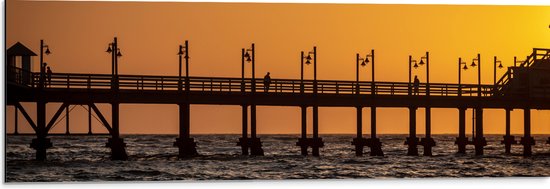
(19, 50)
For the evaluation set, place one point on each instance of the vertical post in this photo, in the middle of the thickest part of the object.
(508, 138)
(117, 145)
(358, 140)
(89, 120)
(302, 72)
(357, 90)
(410, 72)
(41, 143)
(428, 141)
(374, 142)
(479, 141)
(317, 142)
(187, 84)
(459, 77)
(179, 70)
(243, 141)
(527, 141)
(495, 72)
(67, 132)
(16, 123)
(115, 51)
(186, 145)
(462, 140)
(303, 142)
(256, 144)
(42, 68)
(412, 141)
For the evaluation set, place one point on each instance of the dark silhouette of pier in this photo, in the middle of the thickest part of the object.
(525, 86)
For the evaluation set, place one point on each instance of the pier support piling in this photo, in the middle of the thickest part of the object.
(412, 141)
(527, 141)
(67, 131)
(316, 142)
(428, 142)
(508, 139)
(461, 140)
(359, 142)
(41, 143)
(16, 121)
(243, 141)
(255, 143)
(89, 120)
(187, 147)
(303, 141)
(373, 142)
(479, 140)
(117, 145)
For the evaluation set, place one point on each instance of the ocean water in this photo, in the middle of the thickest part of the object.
(153, 158)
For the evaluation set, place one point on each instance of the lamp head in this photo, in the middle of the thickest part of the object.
(118, 54)
(48, 50)
(181, 50)
(473, 63)
(247, 56)
(308, 58)
(308, 62)
(500, 65)
(109, 50)
(465, 67)
(364, 63)
(367, 59)
(421, 62)
(415, 65)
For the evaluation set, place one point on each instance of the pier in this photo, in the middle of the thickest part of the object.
(525, 86)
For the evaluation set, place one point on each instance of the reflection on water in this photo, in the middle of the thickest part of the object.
(152, 157)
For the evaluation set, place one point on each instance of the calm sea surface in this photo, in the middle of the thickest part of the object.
(152, 157)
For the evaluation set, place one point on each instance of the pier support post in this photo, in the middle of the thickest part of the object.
(359, 142)
(508, 139)
(316, 141)
(373, 142)
(527, 141)
(243, 141)
(41, 143)
(16, 123)
(479, 140)
(89, 120)
(412, 141)
(255, 143)
(67, 131)
(186, 145)
(461, 140)
(303, 141)
(117, 145)
(428, 142)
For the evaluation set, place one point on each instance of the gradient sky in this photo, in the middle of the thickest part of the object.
(149, 35)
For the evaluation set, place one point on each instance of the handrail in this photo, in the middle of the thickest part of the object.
(226, 84)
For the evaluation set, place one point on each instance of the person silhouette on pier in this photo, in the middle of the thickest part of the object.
(43, 73)
(416, 85)
(267, 81)
(49, 73)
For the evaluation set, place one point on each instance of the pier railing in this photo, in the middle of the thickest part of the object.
(227, 84)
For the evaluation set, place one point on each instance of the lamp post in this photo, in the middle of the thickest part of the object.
(460, 75)
(118, 151)
(115, 54)
(495, 61)
(184, 51)
(249, 56)
(415, 66)
(359, 141)
(479, 140)
(42, 66)
(461, 140)
(315, 143)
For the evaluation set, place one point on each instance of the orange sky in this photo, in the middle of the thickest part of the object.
(149, 34)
